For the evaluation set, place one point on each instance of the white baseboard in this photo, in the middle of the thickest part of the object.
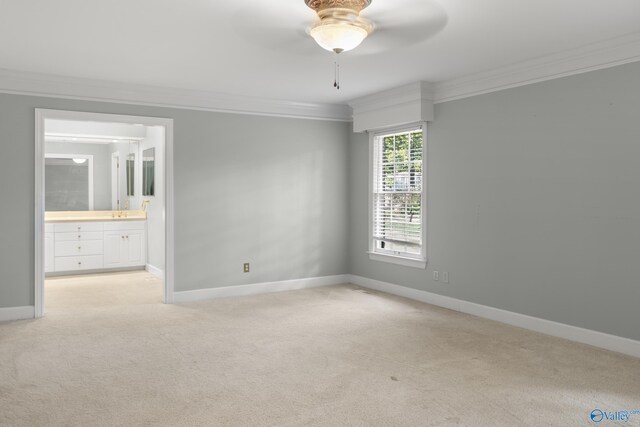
(258, 288)
(561, 330)
(17, 313)
(155, 271)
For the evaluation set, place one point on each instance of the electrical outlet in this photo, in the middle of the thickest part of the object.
(436, 275)
(445, 277)
(246, 267)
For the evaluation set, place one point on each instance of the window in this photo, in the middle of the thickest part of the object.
(397, 231)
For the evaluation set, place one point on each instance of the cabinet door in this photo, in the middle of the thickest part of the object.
(115, 249)
(135, 247)
(49, 254)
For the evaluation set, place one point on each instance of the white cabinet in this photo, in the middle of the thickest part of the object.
(124, 248)
(78, 263)
(94, 245)
(124, 244)
(78, 227)
(79, 236)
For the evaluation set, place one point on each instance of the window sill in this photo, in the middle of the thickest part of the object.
(393, 259)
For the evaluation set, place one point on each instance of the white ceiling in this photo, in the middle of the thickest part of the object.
(259, 49)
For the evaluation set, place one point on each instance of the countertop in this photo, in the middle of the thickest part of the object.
(80, 216)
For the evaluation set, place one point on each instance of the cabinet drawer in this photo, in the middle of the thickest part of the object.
(75, 263)
(79, 236)
(123, 225)
(70, 227)
(86, 247)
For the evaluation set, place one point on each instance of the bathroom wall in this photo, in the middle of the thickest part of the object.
(123, 149)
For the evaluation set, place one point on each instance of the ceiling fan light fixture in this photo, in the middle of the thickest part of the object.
(340, 27)
(338, 37)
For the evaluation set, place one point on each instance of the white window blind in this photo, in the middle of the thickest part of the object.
(397, 211)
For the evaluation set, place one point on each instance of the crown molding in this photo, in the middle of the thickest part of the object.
(597, 56)
(48, 85)
(409, 93)
(602, 55)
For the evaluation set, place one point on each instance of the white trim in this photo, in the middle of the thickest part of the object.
(400, 260)
(412, 103)
(259, 288)
(115, 181)
(40, 116)
(561, 330)
(593, 57)
(16, 313)
(55, 86)
(154, 270)
(169, 214)
(78, 156)
(38, 294)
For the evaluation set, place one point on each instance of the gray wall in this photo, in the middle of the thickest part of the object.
(555, 170)
(266, 190)
(101, 168)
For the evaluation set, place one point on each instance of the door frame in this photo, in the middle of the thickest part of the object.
(115, 181)
(41, 115)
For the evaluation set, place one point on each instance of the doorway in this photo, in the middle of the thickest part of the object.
(124, 201)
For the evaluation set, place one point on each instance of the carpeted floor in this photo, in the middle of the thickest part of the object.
(109, 353)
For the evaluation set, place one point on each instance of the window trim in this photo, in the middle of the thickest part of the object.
(418, 262)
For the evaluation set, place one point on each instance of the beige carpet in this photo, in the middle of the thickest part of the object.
(108, 353)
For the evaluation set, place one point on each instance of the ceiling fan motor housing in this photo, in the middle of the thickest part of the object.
(353, 5)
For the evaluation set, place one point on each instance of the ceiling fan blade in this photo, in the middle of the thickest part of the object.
(401, 23)
(276, 28)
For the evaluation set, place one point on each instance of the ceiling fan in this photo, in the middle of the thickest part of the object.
(372, 27)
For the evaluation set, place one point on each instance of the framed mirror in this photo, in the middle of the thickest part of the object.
(148, 172)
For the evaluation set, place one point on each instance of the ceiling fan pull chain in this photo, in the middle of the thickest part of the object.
(336, 72)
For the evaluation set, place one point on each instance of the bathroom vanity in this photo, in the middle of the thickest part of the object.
(83, 241)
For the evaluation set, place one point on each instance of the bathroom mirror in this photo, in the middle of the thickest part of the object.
(148, 172)
(69, 182)
(97, 175)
